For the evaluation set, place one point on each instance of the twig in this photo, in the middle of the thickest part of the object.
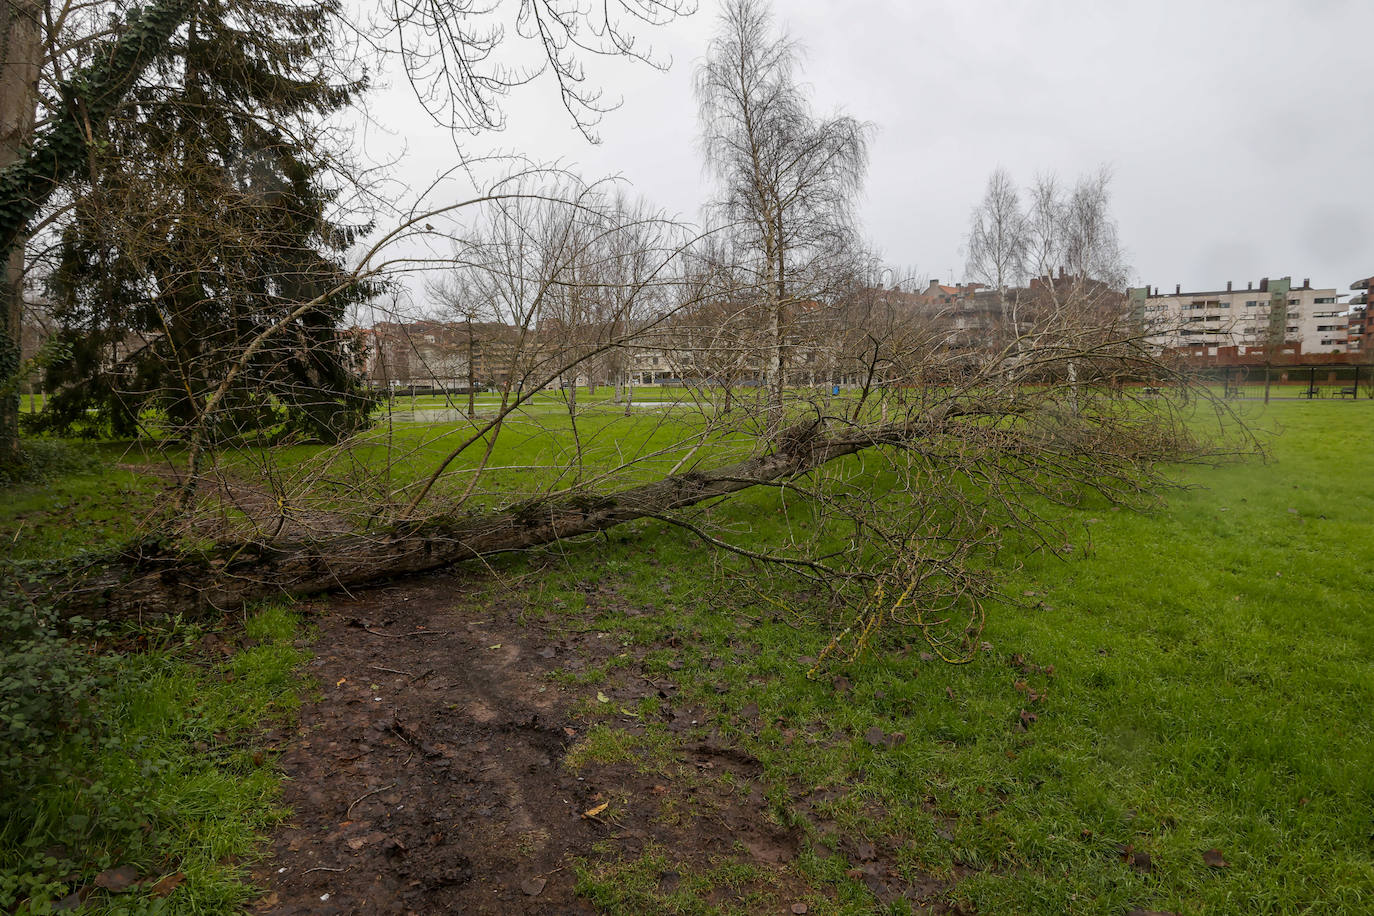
(390, 670)
(416, 633)
(320, 868)
(366, 795)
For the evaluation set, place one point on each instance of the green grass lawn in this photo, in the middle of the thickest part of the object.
(96, 507)
(1203, 682)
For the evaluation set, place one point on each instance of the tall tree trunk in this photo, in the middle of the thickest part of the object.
(777, 365)
(20, 51)
(472, 376)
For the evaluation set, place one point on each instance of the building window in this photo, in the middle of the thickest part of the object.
(1251, 303)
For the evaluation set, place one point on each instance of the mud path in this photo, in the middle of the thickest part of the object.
(431, 773)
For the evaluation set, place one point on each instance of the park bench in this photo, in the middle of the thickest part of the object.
(1350, 391)
(1149, 390)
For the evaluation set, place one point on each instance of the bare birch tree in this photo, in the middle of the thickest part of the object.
(788, 179)
(998, 240)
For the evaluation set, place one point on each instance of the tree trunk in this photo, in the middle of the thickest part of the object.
(1073, 387)
(775, 366)
(20, 50)
(151, 579)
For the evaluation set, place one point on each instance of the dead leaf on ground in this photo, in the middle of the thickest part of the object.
(875, 736)
(168, 884)
(117, 879)
(593, 812)
(534, 886)
(1214, 859)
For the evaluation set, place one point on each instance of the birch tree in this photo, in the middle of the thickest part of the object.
(788, 179)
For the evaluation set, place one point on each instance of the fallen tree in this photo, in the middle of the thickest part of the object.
(1014, 443)
(153, 577)
(954, 449)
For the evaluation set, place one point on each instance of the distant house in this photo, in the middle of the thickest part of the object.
(438, 355)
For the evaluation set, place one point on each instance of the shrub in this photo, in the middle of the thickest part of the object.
(44, 459)
(46, 687)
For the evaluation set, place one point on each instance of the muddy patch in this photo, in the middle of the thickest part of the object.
(432, 772)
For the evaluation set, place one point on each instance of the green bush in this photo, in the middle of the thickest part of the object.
(46, 686)
(44, 459)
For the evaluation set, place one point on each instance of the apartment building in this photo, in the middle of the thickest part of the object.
(1300, 319)
(1360, 328)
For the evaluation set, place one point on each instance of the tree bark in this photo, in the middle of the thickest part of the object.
(21, 48)
(151, 579)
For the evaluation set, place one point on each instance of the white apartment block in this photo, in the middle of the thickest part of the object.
(1275, 313)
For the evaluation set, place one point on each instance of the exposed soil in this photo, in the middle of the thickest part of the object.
(429, 776)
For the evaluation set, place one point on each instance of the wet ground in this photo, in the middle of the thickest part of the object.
(429, 775)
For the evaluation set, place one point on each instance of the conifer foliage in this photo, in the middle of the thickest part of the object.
(205, 218)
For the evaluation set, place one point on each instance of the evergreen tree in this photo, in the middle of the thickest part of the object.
(203, 220)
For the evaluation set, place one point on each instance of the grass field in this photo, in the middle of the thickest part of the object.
(1203, 674)
(1196, 678)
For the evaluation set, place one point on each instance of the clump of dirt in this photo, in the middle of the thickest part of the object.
(429, 775)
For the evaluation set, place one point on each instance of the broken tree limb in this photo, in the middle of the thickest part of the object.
(151, 578)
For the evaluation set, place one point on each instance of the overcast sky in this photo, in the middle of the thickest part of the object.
(1240, 134)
